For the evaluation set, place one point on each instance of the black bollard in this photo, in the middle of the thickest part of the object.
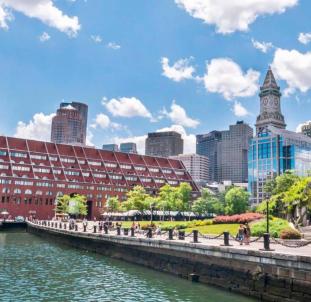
(48, 223)
(226, 239)
(181, 235)
(100, 227)
(266, 242)
(170, 234)
(76, 227)
(84, 228)
(118, 231)
(94, 231)
(52, 224)
(60, 225)
(65, 226)
(132, 232)
(195, 236)
(149, 233)
(125, 231)
(105, 229)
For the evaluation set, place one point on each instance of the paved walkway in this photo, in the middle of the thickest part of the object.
(255, 246)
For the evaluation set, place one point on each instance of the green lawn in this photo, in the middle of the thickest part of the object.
(206, 229)
(216, 229)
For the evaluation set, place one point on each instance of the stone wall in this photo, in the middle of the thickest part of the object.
(264, 275)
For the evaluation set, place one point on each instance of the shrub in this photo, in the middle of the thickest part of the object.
(239, 218)
(147, 226)
(276, 226)
(290, 233)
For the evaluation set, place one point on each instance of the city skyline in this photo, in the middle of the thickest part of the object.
(175, 85)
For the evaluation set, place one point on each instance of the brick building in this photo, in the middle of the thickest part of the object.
(34, 173)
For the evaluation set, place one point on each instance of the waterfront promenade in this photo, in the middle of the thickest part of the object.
(277, 246)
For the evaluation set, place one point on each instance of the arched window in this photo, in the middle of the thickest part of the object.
(28, 192)
(5, 191)
(39, 193)
(17, 191)
(49, 193)
(59, 194)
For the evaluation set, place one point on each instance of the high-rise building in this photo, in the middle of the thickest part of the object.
(164, 144)
(274, 150)
(197, 166)
(67, 127)
(306, 129)
(128, 147)
(83, 109)
(111, 147)
(227, 152)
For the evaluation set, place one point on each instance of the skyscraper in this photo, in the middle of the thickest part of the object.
(111, 147)
(128, 147)
(227, 152)
(197, 166)
(274, 150)
(67, 127)
(164, 144)
(83, 109)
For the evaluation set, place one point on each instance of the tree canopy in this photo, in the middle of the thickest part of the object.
(73, 205)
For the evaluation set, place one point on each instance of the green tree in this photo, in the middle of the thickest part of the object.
(184, 190)
(75, 205)
(136, 199)
(236, 201)
(113, 204)
(208, 203)
(170, 198)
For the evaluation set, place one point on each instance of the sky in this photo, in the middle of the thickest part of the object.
(192, 66)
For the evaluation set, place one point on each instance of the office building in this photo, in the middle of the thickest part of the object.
(306, 129)
(83, 109)
(110, 147)
(197, 165)
(34, 173)
(227, 152)
(128, 147)
(164, 144)
(274, 150)
(67, 127)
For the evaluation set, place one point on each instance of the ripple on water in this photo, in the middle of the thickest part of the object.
(32, 269)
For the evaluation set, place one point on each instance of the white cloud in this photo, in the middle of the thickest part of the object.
(104, 122)
(5, 16)
(179, 116)
(189, 139)
(232, 15)
(38, 128)
(299, 127)
(304, 38)
(262, 46)
(293, 67)
(239, 110)
(179, 71)
(44, 37)
(113, 45)
(44, 10)
(89, 137)
(226, 77)
(96, 38)
(126, 107)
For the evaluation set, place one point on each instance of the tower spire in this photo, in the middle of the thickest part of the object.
(270, 104)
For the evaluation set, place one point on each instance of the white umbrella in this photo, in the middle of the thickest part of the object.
(5, 212)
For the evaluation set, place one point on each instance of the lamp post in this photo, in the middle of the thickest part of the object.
(267, 214)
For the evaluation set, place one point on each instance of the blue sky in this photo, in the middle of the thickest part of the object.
(189, 65)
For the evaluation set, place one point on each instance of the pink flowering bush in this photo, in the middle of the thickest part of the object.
(238, 218)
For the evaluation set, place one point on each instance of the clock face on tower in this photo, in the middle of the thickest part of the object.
(265, 101)
(275, 102)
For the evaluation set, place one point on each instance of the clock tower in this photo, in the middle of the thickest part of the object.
(270, 105)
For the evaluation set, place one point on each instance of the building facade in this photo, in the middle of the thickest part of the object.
(306, 129)
(110, 147)
(128, 147)
(197, 165)
(67, 127)
(274, 150)
(227, 152)
(83, 110)
(34, 173)
(164, 144)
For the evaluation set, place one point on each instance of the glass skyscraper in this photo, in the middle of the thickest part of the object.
(274, 150)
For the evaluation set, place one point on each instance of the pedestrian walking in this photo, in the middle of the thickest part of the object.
(240, 234)
(247, 233)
